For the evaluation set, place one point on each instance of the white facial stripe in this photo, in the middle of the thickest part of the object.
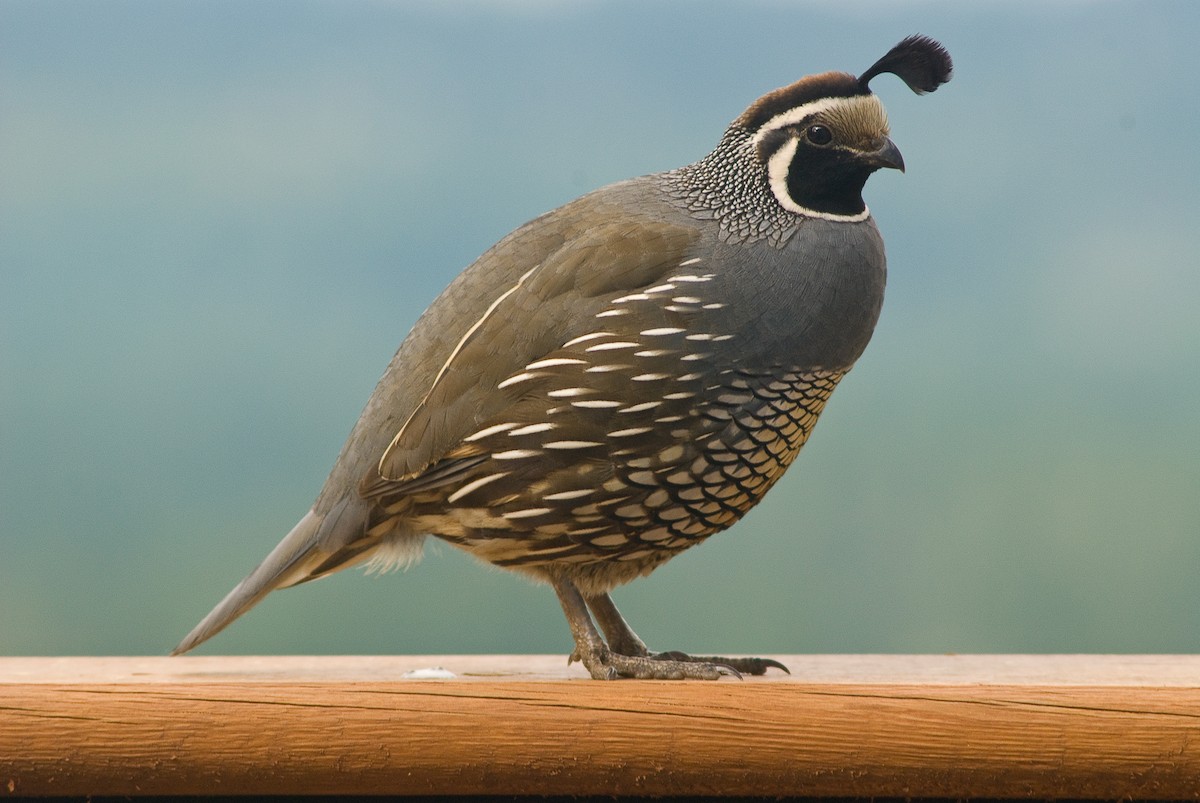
(800, 113)
(777, 173)
(781, 160)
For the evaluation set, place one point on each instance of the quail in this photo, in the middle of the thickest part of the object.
(626, 375)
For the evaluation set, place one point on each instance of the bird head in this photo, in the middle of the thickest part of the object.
(819, 139)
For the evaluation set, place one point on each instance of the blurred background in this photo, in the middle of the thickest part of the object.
(218, 220)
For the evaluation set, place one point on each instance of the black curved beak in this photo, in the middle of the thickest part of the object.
(887, 155)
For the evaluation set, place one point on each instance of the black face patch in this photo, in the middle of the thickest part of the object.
(827, 179)
(820, 177)
(819, 156)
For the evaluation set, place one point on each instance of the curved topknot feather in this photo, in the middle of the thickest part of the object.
(919, 61)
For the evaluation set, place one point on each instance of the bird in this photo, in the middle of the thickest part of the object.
(622, 377)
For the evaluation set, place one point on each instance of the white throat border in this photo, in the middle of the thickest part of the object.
(781, 160)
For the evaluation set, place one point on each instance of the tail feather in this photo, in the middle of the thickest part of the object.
(291, 562)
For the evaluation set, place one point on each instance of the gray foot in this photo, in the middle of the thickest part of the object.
(624, 643)
(625, 655)
(743, 666)
(604, 664)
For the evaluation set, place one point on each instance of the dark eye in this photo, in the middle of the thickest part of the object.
(819, 135)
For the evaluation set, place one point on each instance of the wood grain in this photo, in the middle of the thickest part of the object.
(861, 726)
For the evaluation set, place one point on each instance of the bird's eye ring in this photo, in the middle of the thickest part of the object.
(819, 135)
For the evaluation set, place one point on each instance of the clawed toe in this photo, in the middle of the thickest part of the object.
(625, 655)
(656, 668)
(742, 666)
(753, 666)
(609, 665)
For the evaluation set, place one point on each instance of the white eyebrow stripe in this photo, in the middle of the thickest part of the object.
(799, 113)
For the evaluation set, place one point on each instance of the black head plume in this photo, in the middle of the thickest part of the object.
(919, 61)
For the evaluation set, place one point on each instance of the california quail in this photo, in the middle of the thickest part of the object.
(624, 376)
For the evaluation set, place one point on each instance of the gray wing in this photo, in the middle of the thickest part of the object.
(523, 298)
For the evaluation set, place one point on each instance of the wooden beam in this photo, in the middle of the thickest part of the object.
(839, 726)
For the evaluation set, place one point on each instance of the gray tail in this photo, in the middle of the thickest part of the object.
(291, 562)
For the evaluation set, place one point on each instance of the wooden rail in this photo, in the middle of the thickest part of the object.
(845, 726)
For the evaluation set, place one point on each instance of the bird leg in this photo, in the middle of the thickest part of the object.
(617, 632)
(622, 640)
(607, 664)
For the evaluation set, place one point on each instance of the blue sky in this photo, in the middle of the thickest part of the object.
(218, 220)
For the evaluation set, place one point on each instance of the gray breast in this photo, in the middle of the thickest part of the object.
(811, 302)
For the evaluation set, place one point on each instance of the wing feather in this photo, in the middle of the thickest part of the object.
(550, 304)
